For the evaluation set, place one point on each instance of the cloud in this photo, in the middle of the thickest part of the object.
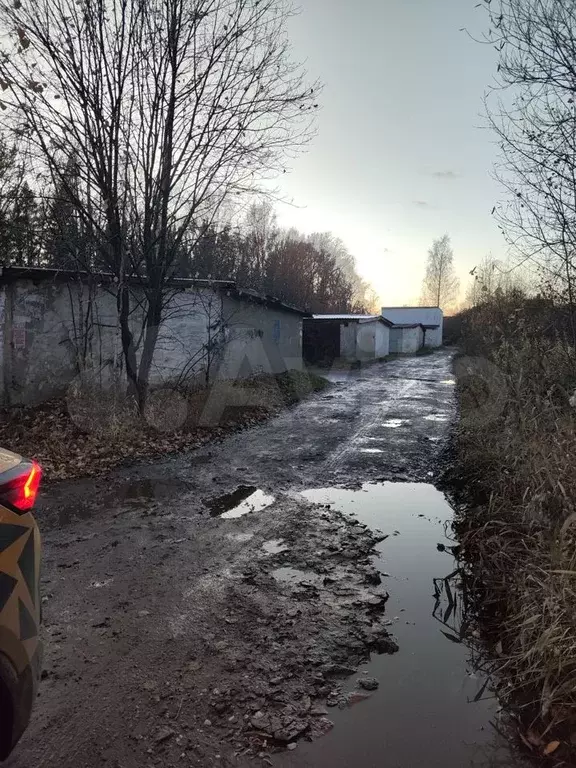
(421, 203)
(446, 175)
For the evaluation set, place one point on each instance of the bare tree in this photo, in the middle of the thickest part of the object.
(533, 112)
(362, 294)
(441, 286)
(169, 107)
(492, 278)
(261, 231)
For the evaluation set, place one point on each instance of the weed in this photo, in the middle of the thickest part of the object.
(519, 541)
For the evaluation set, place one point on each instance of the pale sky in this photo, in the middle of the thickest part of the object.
(401, 155)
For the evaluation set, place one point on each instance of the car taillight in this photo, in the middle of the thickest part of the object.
(20, 490)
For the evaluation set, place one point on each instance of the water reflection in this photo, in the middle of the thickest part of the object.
(433, 707)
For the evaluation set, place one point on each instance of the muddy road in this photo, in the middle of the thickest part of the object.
(215, 609)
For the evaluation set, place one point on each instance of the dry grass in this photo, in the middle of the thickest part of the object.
(519, 543)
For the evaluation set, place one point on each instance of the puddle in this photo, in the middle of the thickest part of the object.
(394, 423)
(371, 450)
(240, 502)
(435, 417)
(451, 382)
(423, 715)
(274, 546)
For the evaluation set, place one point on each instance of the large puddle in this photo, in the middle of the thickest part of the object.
(432, 708)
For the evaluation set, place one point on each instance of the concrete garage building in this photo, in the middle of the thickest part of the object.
(406, 339)
(54, 323)
(353, 338)
(430, 318)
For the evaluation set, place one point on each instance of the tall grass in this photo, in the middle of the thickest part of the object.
(516, 450)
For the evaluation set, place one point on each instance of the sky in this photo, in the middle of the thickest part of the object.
(402, 154)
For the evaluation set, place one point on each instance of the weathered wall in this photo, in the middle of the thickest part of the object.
(406, 341)
(424, 315)
(395, 341)
(348, 331)
(365, 341)
(373, 340)
(44, 335)
(382, 340)
(184, 333)
(261, 339)
(48, 327)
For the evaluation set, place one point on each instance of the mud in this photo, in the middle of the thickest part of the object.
(429, 704)
(181, 631)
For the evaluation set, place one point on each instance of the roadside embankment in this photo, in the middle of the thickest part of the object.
(515, 453)
(90, 432)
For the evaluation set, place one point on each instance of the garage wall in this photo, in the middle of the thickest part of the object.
(348, 332)
(396, 336)
(43, 331)
(382, 340)
(366, 341)
(372, 340)
(260, 339)
(423, 315)
(411, 340)
(45, 340)
(406, 341)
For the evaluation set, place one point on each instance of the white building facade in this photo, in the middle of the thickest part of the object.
(346, 337)
(406, 339)
(431, 319)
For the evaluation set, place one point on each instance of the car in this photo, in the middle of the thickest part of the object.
(20, 605)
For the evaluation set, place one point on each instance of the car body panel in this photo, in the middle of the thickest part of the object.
(20, 608)
(8, 460)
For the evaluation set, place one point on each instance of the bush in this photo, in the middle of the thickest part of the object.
(516, 449)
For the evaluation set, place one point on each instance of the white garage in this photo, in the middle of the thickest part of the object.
(430, 318)
(406, 338)
(346, 337)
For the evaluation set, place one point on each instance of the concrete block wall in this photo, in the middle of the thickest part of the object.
(406, 341)
(42, 330)
(260, 339)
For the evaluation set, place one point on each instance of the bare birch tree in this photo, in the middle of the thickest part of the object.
(441, 286)
(533, 112)
(168, 107)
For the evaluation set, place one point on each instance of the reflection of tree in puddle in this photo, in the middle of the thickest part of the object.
(453, 611)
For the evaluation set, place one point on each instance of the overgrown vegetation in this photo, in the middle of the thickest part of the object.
(516, 453)
(89, 434)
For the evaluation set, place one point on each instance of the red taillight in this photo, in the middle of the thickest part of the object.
(21, 491)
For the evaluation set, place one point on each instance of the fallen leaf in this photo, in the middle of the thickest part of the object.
(552, 747)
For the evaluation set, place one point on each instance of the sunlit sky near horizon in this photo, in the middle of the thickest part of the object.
(402, 154)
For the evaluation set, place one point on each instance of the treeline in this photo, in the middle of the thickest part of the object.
(314, 272)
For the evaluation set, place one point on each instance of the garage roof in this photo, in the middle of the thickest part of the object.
(354, 318)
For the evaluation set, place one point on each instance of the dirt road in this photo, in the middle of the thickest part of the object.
(198, 611)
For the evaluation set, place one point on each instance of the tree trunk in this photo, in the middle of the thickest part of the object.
(123, 308)
(152, 327)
